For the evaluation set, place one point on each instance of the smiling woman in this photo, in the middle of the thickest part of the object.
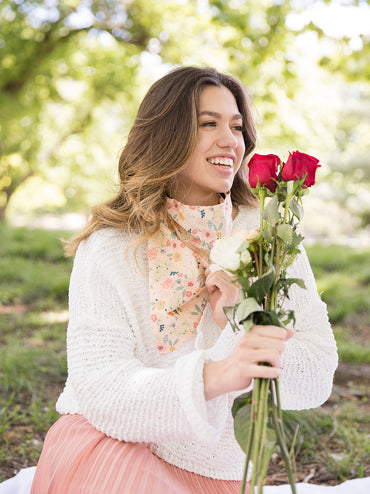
(153, 363)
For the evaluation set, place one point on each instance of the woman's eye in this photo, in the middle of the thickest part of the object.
(208, 124)
(238, 128)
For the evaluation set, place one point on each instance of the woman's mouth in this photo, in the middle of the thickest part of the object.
(222, 162)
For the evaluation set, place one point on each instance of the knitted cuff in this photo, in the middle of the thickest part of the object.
(206, 419)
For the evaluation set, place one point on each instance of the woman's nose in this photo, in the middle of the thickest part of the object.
(227, 138)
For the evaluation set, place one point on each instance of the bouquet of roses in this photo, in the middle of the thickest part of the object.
(259, 260)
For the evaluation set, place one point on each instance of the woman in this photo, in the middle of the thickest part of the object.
(153, 365)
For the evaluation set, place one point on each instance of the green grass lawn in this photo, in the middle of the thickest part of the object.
(34, 277)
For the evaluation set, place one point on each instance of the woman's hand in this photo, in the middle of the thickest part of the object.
(235, 372)
(222, 292)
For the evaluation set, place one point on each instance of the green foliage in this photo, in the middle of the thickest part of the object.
(73, 73)
(28, 282)
(342, 275)
(343, 445)
(32, 266)
(353, 340)
(71, 80)
(22, 366)
(32, 244)
(9, 414)
(242, 426)
(32, 341)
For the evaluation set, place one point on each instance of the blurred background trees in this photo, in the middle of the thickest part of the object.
(72, 74)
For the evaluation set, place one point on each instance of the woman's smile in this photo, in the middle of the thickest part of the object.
(224, 163)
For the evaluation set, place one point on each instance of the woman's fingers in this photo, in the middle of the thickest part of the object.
(268, 332)
(261, 345)
(264, 371)
(289, 334)
(222, 281)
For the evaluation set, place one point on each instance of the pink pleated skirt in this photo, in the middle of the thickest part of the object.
(78, 459)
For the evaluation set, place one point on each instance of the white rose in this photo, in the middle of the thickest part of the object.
(224, 252)
(245, 257)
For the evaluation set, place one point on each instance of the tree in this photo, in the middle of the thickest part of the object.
(62, 61)
(55, 71)
(346, 57)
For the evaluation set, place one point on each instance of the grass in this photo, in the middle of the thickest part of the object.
(34, 278)
(343, 280)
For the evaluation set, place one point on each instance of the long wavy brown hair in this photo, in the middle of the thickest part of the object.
(160, 142)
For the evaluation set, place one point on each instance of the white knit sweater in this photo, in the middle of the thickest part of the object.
(118, 380)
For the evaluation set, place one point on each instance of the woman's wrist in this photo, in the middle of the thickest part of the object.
(218, 379)
(213, 379)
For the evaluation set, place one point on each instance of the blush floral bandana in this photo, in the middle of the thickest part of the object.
(176, 271)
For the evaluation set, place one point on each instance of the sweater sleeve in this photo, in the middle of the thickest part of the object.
(113, 389)
(310, 357)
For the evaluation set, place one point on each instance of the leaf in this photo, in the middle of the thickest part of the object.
(229, 312)
(248, 324)
(240, 401)
(242, 426)
(285, 232)
(245, 308)
(244, 246)
(287, 317)
(244, 283)
(290, 186)
(296, 209)
(297, 281)
(270, 212)
(268, 319)
(275, 321)
(267, 235)
(286, 283)
(297, 239)
(260, 288)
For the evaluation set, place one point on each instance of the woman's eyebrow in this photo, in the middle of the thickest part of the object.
(214, 114)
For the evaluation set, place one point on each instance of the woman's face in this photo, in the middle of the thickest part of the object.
(219, 151)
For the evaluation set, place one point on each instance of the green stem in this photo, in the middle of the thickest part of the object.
(292, 452)
(265, 464)
(271, 297)
(257, 433)
(261, 196)
(249, 445)
(278, 426)
(244, 479)
(275, 384)
(287, 204)
(264, 413)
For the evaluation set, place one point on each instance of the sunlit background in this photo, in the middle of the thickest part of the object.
(73, 73)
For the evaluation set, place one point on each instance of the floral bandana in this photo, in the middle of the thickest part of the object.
(176, 272)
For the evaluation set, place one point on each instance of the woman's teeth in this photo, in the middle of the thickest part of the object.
(225, 162)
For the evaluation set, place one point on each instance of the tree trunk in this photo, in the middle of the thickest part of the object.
(2, 213)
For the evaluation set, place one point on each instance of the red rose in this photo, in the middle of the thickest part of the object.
(263, 168)
(299, 164)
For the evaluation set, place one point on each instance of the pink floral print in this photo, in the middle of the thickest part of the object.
(176, 274)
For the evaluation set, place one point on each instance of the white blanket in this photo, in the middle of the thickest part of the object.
(21, 484)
